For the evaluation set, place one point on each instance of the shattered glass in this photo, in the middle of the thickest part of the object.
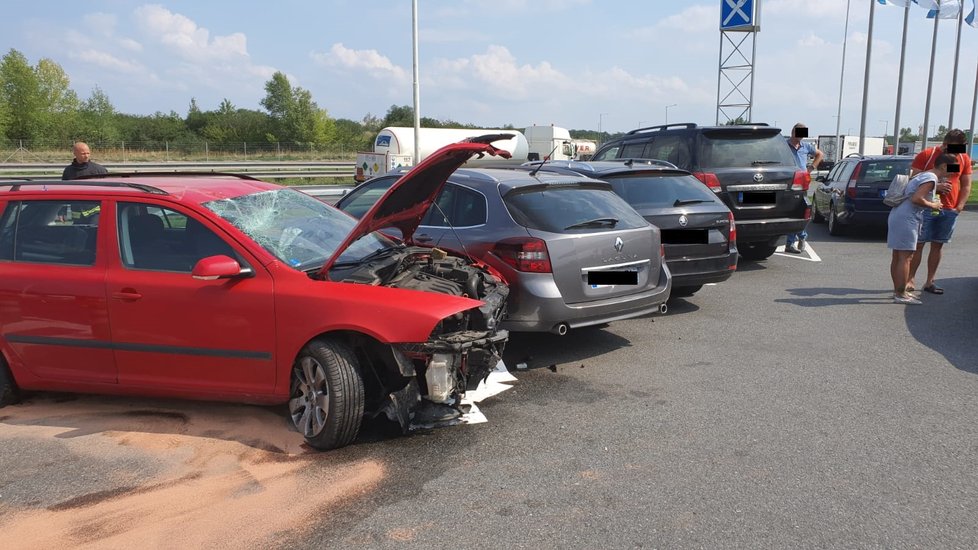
(298, 229)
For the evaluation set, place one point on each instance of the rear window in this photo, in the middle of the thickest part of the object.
(571, 209)
(882, 171)
(742, 150)
(660, 190)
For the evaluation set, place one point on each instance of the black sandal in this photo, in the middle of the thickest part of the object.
(934, 289)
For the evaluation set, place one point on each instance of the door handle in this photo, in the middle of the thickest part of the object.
(423, 238)
(127, 295)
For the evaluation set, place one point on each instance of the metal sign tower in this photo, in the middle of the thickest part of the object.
(739, 25)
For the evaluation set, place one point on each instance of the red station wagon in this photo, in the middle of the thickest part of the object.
(229, 288)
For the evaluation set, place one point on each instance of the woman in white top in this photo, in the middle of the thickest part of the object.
(903, 225)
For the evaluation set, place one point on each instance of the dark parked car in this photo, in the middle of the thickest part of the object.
(852, 192)
(573, 252)
(227, 287)
(698, 231)
(751, 168)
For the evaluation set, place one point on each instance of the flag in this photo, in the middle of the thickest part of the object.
(948, 9)
(928, 4)
(900, 3)
(970, 19)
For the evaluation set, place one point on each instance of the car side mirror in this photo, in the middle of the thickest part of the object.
(820, 178)
(219, 267)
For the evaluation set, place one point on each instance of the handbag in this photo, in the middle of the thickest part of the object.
(897, 191)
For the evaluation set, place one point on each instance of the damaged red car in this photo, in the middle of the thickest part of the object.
(229, 288)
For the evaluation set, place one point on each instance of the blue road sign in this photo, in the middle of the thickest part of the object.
(736, 14)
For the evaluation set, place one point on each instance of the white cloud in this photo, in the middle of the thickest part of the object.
(107, 61)
(130, 44)
(370, 62)
(99, 23)
(186, 38)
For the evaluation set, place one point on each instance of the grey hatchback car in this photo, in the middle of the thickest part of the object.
(574, 253)
(698, 231)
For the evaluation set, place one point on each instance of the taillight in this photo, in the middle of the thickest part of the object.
(525, 254)
(710, 179)
(808, 213)
(851, 184)
(662, 250)
(801, 181)
(733, 231)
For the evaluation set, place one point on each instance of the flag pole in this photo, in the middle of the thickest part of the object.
(899, 99)
(842, 76)
(974, 107)
(954, 79)
(930, 76)
(869, 52)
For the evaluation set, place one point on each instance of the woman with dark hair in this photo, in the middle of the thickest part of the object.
(903, 225)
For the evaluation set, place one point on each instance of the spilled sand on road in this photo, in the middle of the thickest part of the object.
(231, 476)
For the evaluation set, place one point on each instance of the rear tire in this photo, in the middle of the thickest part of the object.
(756, 251)
(835, 228)
(8, 388)
(685, 291)
(327, 398)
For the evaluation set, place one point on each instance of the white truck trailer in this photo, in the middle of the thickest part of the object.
(394, 147)
(850, 145)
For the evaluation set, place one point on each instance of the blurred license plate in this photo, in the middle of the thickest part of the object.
(607, 278)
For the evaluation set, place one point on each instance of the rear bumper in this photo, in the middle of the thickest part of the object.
(768, 230)
(538, 306)
(700, 271)
(865, 217)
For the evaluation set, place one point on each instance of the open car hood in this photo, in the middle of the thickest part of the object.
(406, 202)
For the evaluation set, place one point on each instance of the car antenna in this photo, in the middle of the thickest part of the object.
(452, 227)
(544, 161)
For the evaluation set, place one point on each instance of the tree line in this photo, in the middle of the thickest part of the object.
(38, 109)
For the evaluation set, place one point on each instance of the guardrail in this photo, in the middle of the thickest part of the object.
(267, 170)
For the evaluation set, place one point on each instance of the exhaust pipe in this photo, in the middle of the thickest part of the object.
(561, 329)
(663, 308)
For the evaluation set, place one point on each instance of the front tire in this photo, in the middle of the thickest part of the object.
(817, 216)
(8, 389)
(327, 398)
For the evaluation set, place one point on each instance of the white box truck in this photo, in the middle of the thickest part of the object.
(850, 145)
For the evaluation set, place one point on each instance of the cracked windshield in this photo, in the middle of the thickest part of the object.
(296, 228)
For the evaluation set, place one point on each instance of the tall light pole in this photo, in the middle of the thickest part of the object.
(667, 112)
(842, 78)
(417, 83)
(600, 121)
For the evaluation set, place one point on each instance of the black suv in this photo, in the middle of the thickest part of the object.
(751, 168)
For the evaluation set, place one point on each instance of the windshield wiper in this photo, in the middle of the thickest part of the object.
(680, 202)
(597, 222)
(383, 252)
(760, 162)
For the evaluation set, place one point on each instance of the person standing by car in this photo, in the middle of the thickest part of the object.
(937, 229)
(82, 164)
(801, 150)
(903, 225)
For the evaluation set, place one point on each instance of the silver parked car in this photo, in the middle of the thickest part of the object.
(574, 253)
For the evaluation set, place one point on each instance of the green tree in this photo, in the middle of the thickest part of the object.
(98, 118)
(907, 135)
(58, 104)
(21, 96)
(736, 121)
(398, 116)
(295, 115)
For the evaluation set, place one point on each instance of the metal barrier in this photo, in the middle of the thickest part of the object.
(267, 170)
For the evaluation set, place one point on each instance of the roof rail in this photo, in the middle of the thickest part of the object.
(654, 162)
(662, 127)
(166, 174)
(16, 185)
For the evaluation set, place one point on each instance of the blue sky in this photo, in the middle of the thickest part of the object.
(573, 63)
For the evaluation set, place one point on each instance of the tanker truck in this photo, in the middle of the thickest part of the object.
(394, 147)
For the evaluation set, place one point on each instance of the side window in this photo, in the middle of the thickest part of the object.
(50, 232)
(161, 239)
(833, 172)
(634, 150)
(359, 201)
(674, 149)
(457, 206)
(846, 171)
(608, 154)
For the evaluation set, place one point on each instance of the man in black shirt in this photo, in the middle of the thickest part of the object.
(82, 166)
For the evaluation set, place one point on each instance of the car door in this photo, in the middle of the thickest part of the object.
(837, 187)
(456, 220)
(824, 190)
(53, 309)
(173, 331)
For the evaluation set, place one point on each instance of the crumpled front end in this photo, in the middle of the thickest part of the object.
(462, 349)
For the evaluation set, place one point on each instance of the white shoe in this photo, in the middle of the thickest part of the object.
(906, 300)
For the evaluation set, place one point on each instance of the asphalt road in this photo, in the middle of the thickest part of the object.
(792, 406)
